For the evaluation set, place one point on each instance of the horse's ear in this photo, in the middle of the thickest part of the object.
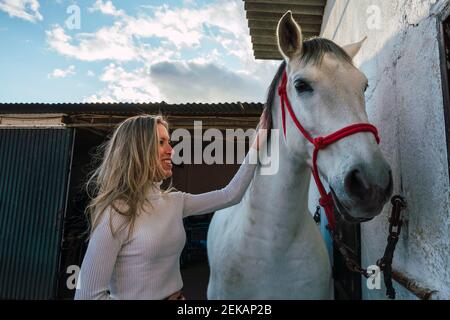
(289, 34)
(353, 49)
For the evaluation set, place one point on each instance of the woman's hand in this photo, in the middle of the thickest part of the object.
(262, 131)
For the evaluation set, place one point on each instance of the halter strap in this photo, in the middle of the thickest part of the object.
(320, 143)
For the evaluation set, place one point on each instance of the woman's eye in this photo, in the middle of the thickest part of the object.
(302, 86)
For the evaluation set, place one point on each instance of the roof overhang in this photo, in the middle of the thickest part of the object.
(105, 116)
(263, 17)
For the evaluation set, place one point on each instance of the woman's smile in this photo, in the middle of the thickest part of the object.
(165, 151)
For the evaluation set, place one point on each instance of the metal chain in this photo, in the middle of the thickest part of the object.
(385, 263)
(349, 259)
(395, 227)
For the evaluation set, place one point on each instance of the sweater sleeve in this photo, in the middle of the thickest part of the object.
(99, 260)
(226, 197)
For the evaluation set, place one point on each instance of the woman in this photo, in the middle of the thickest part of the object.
(137, 233)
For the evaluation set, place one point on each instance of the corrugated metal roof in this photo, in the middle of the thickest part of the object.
(34, 171)
(214, 109)
(263, 17)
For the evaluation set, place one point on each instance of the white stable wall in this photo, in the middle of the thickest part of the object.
(405, 101)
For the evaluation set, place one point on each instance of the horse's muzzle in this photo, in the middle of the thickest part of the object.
(343, 211)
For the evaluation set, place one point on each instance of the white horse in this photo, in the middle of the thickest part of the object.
(268, 246)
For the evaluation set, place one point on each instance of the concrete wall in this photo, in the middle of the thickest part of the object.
(405, 101)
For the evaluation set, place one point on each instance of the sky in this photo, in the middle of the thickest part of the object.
(177, 51)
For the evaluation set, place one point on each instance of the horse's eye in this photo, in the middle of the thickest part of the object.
(302, 86)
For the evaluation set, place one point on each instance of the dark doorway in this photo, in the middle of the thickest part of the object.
(347, 284)
(73, 246)
(444, 45)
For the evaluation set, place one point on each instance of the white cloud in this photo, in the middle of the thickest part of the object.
(211, 57)
(124, 86)
(107, 43)
(90, 73)
(163, 72)
(107, 8)
(177, 82)
(179, 28)
(62, 73)
(183, 81)
(23, 9)
(185, 27)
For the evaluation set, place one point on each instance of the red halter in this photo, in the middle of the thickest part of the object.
(326, 200)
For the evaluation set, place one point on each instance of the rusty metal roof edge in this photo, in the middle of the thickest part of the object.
(133, 108)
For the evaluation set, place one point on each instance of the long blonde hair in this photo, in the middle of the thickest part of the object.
(130, 166)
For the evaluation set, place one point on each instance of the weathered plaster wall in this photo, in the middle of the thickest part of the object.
(405, 101)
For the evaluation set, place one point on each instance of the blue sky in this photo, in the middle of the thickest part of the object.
(130, 51)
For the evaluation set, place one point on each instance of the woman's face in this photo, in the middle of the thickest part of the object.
(165, 151)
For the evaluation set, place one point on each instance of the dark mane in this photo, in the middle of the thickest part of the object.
(315, 48)
(272, 94)
(312, 53)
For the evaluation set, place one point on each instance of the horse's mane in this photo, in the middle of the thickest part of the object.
(312, 53)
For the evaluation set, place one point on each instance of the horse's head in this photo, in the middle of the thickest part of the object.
(326, 92)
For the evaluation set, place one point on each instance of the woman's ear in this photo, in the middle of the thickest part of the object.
(289, 34)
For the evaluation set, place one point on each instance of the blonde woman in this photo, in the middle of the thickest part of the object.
(137, 233)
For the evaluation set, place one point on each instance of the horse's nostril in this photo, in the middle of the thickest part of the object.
(356, 185)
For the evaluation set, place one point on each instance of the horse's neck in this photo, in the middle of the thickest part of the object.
(281, 200)
(284, 194)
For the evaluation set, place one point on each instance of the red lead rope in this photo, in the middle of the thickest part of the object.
(326, 200)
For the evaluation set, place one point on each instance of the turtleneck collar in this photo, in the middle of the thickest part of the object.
(155, 188)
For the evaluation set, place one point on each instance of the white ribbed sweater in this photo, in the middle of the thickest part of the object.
(146, 266)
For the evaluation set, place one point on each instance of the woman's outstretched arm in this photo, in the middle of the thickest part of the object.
(195, 204)
(231, 194)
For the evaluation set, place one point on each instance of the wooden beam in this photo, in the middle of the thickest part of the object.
(272, 40)
(265, 47)
(273, 55)
(31, 120)
(272, 25)
(219, 122)
(283, 8)
(263, 17)
(271, 33)
(266, 57)
(294, 2)
(273, 16)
